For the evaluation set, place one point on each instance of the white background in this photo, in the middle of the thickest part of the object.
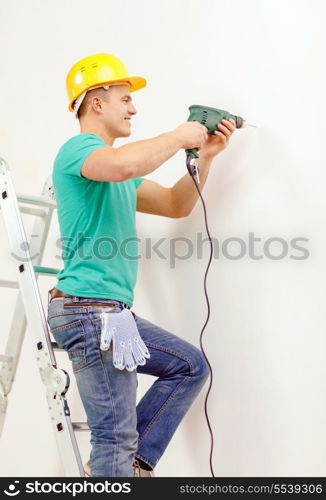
(264, 61)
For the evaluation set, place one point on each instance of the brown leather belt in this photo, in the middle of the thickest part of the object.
(55, 293)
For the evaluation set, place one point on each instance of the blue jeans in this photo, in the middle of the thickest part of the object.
(120, 430)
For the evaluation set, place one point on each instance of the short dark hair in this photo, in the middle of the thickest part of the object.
(100, 92)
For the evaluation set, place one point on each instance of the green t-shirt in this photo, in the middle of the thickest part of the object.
(97, 225)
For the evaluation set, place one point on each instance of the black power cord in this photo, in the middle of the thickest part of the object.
(193, 170)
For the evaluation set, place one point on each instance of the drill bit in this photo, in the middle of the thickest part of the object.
(245, 124)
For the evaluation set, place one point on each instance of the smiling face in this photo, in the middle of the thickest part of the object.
(118, 111)
(110, 110)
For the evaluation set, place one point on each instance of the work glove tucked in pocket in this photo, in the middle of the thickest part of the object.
(129, 349)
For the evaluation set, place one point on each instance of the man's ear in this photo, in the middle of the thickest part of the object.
(97, 103)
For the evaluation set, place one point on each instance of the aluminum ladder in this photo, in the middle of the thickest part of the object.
(29, 305)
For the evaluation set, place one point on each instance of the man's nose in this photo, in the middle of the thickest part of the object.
(132, 110)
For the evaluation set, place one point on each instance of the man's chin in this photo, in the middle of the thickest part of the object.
(123, 132)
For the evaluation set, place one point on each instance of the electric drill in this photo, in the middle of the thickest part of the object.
(210, 117)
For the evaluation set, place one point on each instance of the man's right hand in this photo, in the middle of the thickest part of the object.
(191, 134)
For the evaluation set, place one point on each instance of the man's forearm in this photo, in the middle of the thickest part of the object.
(146, 155)
(185, 194)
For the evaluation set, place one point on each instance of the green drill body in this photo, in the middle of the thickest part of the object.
(210, 117)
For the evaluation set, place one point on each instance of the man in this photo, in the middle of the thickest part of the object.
(98, 188)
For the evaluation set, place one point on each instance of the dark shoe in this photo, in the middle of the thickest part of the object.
(139, 472)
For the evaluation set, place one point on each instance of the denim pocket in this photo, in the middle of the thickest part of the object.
(70, 337)
(97, 324)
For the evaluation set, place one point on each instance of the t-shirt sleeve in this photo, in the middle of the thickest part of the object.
(138, 180)
(75, 152)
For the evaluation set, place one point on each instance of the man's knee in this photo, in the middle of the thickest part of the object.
(200, 366)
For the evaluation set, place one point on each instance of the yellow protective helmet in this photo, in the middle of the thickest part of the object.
(95, 70)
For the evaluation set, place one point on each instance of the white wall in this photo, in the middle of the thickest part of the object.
(262, 60)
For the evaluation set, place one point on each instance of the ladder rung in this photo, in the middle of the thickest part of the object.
(9, 284)
(55, 347)
(46, 270)
(33, 211)
(43, 201)
(80, 426)
(5, 358)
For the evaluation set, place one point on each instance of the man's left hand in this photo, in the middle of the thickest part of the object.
(218, 141)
